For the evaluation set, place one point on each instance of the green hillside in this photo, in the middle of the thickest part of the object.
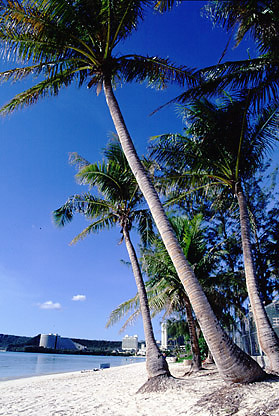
(31, 344)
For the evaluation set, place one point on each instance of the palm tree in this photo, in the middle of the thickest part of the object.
(259, 18)
(165, 291)
(74, 41)
(259, 74)
(223, 148)
(120, 203)
(163, 277)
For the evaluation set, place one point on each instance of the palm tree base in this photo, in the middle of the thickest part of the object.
(194, 368)
(160, 383)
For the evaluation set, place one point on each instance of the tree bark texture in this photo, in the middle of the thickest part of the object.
(267, 337)
(156, 363)
(233, 364)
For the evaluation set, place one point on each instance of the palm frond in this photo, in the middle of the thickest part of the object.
(145, 226)
(103, 223)
(64, 214)
(18, 74)
(30, 32)
(260, 75)
(158, 72)
(265, 132)
(98, 175)
(85, 204)
(45, 88)
(165, 5)
(129, 306)
(114, 153)
(77, 160)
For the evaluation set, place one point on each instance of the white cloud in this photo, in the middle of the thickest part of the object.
(50, 305)
(80, 298)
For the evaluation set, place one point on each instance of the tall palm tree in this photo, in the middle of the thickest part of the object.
(120, 203)
(223, 148)
(74, 41)
(163, 277)
(166, 292)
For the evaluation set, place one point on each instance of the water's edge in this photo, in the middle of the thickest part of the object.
(15, 365)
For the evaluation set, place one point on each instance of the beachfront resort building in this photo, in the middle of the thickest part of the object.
(130, 343)
(55, 342)
(246, 335)
(164, 336)
(168, 343)
(142, 349)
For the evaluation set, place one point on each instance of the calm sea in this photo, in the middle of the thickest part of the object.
(23, 364)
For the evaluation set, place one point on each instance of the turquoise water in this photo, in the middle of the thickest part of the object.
(23, 364)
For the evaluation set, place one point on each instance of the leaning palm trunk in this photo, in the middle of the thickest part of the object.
(233, 364)
(156, 363)
(267, 337)
(196, 361)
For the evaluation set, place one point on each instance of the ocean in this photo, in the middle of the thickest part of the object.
(23, 364)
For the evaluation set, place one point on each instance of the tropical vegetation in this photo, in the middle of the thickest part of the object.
(164, 290)
(223, 147)
(119, 202)
(63, 42)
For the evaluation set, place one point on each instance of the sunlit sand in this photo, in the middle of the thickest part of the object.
(112, 392)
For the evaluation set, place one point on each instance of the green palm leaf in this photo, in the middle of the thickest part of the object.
(119, 202)
(129, 306)
(103, 223)
(74, 41)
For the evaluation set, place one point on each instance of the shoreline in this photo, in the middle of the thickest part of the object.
(85, 370)
(112, 392)
(65, 373)
(25, 365)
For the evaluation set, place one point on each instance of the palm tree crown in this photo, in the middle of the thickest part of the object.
(120, 201)
(74, 41)
(260, 18)
(223, 144)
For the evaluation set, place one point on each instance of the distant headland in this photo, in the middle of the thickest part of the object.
(60, 345)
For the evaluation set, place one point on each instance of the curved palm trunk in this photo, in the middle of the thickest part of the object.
(267, 337)
(196, 363)
(156, 363)
(233, 364)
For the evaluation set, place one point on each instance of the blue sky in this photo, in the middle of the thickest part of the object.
(39, 272)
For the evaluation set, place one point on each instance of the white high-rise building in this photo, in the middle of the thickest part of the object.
(130, 343)
(164, 336)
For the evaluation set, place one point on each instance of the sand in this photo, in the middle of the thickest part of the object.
(112, 392)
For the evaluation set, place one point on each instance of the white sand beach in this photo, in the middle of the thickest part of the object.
(112, 392)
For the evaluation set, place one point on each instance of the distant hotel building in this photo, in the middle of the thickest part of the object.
(164, 336)
(55, 342)
(246, 335)
(169, 343)
(130, 343)
(142, 349)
